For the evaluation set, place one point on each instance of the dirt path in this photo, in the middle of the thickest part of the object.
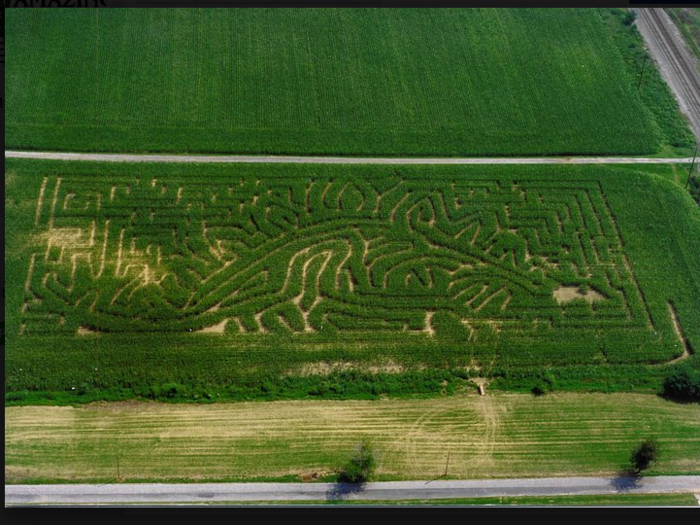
(679, 333)
(677, 65)
(290, 159)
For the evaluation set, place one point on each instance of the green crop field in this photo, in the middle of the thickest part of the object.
(129, 275)
(315, 81)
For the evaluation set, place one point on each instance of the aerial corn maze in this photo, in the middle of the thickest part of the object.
(405, 300)
(471, 267)
(327, 255)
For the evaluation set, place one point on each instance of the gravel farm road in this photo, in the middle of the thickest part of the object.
(133, 157)
(163, 493)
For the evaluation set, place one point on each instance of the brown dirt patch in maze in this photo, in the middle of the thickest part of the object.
(429, 323)
(84, 330)
(218, 328)
(328, 367)
(565, 294)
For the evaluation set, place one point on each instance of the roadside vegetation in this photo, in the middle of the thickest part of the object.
(682, 384)
(687, 19)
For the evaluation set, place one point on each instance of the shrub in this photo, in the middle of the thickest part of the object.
(682, 384)
(360, 467)
(539, 390)
(545, 383)
(629, 18)
(171, 391)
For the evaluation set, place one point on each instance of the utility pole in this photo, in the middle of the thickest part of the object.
(692, 165)
(641, 76)
(447, 464)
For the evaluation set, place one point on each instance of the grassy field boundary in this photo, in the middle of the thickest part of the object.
(617, 500)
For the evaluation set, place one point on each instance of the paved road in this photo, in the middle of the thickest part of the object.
(232, 492)
(129, 157)
(678, 67)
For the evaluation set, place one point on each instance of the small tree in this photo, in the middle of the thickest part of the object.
(644, 455)
(360, 466)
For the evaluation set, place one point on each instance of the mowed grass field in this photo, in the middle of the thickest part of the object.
(208, 281)
(485, 437)
(335, 81)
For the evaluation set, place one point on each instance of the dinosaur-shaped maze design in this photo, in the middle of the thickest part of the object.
(313, 256)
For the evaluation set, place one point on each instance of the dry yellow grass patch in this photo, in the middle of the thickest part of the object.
(328, 367)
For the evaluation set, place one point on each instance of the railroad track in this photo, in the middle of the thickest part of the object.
(682, 66)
